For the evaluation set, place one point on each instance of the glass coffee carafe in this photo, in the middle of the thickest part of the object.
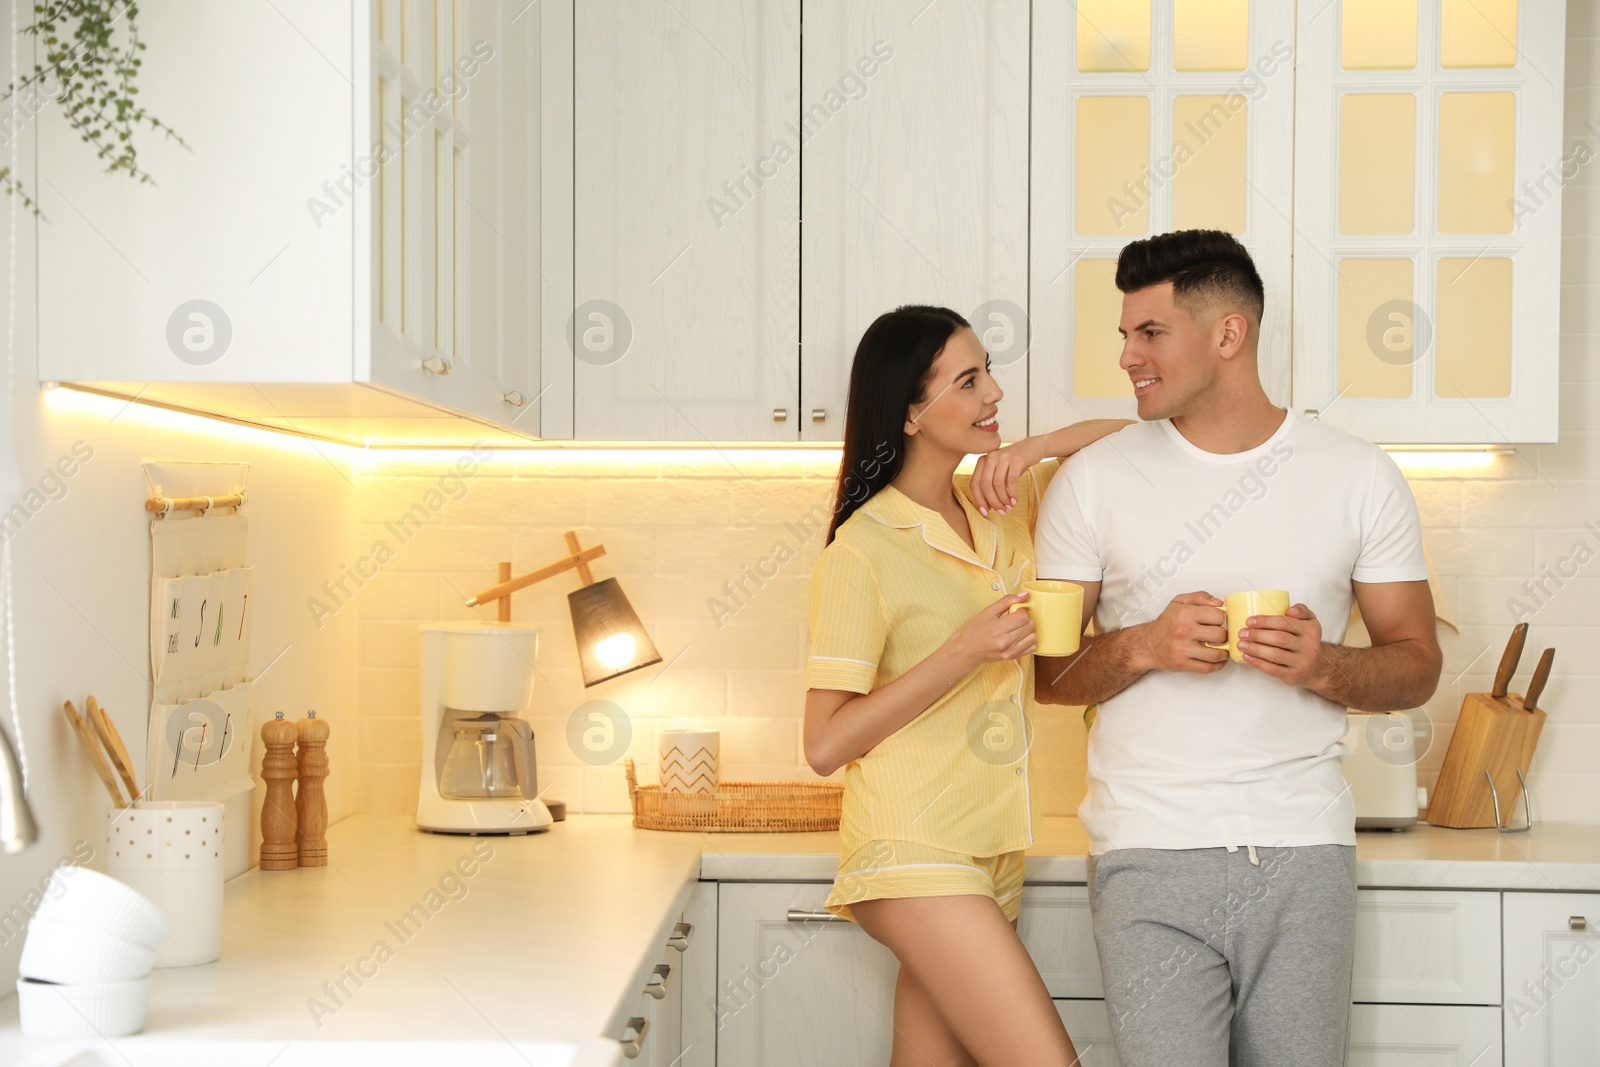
(489, 757)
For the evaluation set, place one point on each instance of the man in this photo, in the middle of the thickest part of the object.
(1222, 866)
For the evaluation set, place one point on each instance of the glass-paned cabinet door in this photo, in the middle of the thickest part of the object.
(1151, 116)
(1427, 226)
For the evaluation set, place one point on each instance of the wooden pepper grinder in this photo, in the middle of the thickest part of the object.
(278, 850)
(311, 802)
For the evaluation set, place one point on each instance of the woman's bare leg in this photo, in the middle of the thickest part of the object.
(967, 960)
(921, 1036)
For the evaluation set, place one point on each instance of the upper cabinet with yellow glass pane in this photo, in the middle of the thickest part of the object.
(1148, 117)
(1426, 291)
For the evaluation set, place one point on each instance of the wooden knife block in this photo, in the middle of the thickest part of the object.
(1494, 734)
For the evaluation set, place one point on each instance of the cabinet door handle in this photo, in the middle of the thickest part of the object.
(801, 915)
(632, 1047)
(514, 398)
(680, 936)
(437, 364)
(657, 986)
(1578, 922)
(819, 414)
(780, 414)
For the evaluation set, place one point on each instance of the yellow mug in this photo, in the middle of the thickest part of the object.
(1241, 606)
(1057, 610)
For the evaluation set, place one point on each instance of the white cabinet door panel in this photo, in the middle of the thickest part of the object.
(257, 230)
(1552, 980)
(798, 993)
(1425, 947)
(914, 120)
(1389, 1035)
(1058, 931)
(686, 221)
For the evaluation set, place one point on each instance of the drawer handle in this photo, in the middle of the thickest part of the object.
(801, 915)
(632, 1047)
(780, 414)
(1578, 922)
(657, 986)
(679, 938)
(819, 414)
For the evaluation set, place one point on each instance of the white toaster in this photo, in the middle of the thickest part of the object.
(1381, 767)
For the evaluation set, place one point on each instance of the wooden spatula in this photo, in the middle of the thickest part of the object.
(114, 747)
(96, 757)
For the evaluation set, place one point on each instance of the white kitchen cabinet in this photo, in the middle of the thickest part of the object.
(1149, 118)
(454, 297)
(914, 121)
(1391, 1035)
(682, 970)
(1427, 947)
(1552, 979)
(1058, 932)
(685, 319)
(356, 213)
(1427, 212)
(699, 959)
(796, 987)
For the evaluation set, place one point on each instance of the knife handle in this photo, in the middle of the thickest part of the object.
(1541, 674)
(1508, 660)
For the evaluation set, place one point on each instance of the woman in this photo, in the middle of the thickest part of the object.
(920, 684)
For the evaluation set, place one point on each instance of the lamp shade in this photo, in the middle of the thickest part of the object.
(611, 639)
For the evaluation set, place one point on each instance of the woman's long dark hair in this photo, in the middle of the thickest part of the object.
(889, 374)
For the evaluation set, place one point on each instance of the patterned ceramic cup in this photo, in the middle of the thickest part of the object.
(689, 760)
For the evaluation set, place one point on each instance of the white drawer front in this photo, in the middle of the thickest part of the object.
(1090, 1029)
(1394, 1035)
(1427, 947)
(1055, 926)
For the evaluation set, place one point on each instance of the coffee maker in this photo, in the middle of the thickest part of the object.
(478, 768)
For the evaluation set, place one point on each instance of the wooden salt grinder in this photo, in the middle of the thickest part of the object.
(311, 802)
(278, 851)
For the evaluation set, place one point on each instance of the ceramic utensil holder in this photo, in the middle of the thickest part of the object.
(689, 760)
(171, 851)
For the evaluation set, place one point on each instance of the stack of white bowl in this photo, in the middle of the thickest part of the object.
(85, 969)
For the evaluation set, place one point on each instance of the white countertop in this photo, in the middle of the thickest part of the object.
(550, 937)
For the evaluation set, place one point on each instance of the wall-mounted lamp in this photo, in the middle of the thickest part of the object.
(611, 639)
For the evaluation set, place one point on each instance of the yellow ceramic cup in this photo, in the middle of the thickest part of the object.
(1241, 606)
(1057, 610)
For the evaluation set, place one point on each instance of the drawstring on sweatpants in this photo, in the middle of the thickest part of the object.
(1250, 850)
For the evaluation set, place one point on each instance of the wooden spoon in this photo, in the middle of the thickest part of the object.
(114, 747)
(96, 757)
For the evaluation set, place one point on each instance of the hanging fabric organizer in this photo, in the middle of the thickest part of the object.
(198, 742)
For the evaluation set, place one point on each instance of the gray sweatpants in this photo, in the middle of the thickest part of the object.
(1212, 960)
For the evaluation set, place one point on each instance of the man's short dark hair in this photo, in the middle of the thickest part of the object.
(1205, 267)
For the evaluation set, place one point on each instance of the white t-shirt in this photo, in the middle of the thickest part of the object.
(1184, 760)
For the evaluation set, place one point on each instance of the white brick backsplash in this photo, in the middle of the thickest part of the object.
(1535, 504)
(1479, 552)
(658, 502)
(1565, 797)
(1576, 457)
(1438, 503)
(1567, 748)
(767, 693)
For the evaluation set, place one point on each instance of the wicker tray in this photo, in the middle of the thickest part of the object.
(737, 807)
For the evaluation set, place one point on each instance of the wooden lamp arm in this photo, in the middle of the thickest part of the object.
(579, 561)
